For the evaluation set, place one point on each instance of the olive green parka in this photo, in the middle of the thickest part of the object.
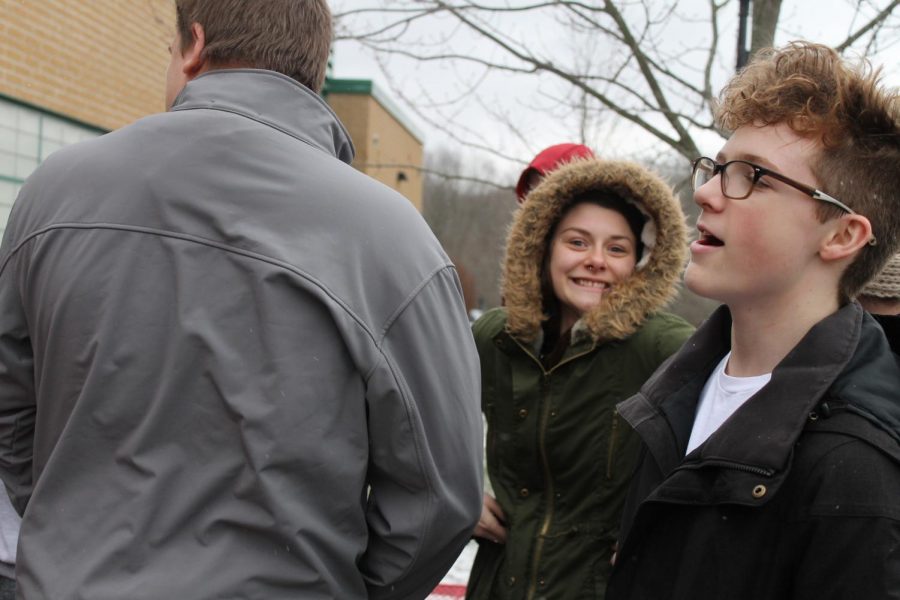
(559, 456)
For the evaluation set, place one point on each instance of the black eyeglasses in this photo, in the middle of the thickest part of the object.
(739, 176)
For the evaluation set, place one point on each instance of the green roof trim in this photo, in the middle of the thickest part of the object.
(347, 86)
(53, 113)
(367, 87)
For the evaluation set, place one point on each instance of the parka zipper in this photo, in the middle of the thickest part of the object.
(545, 463)
(727, 464)
(548, 486)
(613, 438)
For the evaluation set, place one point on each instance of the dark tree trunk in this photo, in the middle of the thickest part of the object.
(765, 19)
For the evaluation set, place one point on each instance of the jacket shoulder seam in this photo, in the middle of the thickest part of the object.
(410, 298)
(202, 241)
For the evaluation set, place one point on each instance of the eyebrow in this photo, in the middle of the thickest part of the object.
(749, 157)
(587, 233)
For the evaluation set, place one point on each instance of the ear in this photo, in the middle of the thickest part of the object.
(850, 233)
(194, 59)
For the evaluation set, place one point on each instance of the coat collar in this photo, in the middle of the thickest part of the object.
(273, 99)
(511, 345)
(766, 427)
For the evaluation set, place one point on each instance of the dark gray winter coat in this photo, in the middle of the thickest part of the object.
(231, 366)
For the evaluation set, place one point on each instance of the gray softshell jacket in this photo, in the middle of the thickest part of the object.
(232, 366)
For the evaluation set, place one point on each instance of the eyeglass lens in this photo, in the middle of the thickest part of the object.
(737, 177)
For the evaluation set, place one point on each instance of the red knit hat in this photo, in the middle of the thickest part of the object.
(549, 159)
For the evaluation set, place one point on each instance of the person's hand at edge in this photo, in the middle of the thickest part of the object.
(492, 524)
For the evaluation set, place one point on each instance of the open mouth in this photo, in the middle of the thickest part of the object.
(708, 239)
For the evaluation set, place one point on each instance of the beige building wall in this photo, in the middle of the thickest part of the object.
(393, 153)
(101, 62)
(353, 111)
(385, 149)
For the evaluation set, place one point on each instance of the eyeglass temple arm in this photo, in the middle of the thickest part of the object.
(817, 194)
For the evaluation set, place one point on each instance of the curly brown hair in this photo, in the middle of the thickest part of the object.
(844, 106)
(292, 37)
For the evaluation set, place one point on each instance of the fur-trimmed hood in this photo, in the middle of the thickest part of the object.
(655, 280)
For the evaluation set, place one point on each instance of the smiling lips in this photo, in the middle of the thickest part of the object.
(589, 283)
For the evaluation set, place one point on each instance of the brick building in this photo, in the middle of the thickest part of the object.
(71, 70)
(75, 69)
(388, 146)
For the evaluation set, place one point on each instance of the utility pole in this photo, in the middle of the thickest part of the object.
(743, 54)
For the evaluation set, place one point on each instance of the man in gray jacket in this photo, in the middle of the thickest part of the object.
(231, 366)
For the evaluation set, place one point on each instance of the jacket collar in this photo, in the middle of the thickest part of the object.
(273, 99)
(766, 427)
(512, 345)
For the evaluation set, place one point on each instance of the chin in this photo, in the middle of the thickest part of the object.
(695, 281)
(585, 307)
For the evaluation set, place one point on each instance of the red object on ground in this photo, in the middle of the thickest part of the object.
(448, 591)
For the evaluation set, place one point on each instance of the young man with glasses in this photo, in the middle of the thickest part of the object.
(771, 463)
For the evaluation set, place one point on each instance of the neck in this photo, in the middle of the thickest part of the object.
(567, 319)
(763, 334)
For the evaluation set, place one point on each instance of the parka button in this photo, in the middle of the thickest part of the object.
(523, 412)
(511, 581)
(759, 491)
(553, 413)
(524, 492)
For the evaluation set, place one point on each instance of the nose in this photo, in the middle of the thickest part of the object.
(709, 196)
(595, 260)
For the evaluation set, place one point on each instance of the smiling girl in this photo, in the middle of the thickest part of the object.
(593, 255)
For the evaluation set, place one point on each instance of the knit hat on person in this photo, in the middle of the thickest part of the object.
(887, 283)
(549, 159)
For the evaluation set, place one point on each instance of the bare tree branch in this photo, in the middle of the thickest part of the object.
(879, 18)
(612, 61)
(765, 22)
(443, 175)
(685, 145)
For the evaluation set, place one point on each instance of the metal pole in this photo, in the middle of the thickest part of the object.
(742, 54)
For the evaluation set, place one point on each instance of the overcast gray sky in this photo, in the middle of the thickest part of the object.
(826, 21)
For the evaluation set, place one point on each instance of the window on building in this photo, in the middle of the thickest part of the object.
(27, 137)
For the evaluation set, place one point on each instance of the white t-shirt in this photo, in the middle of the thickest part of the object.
(721, 397)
